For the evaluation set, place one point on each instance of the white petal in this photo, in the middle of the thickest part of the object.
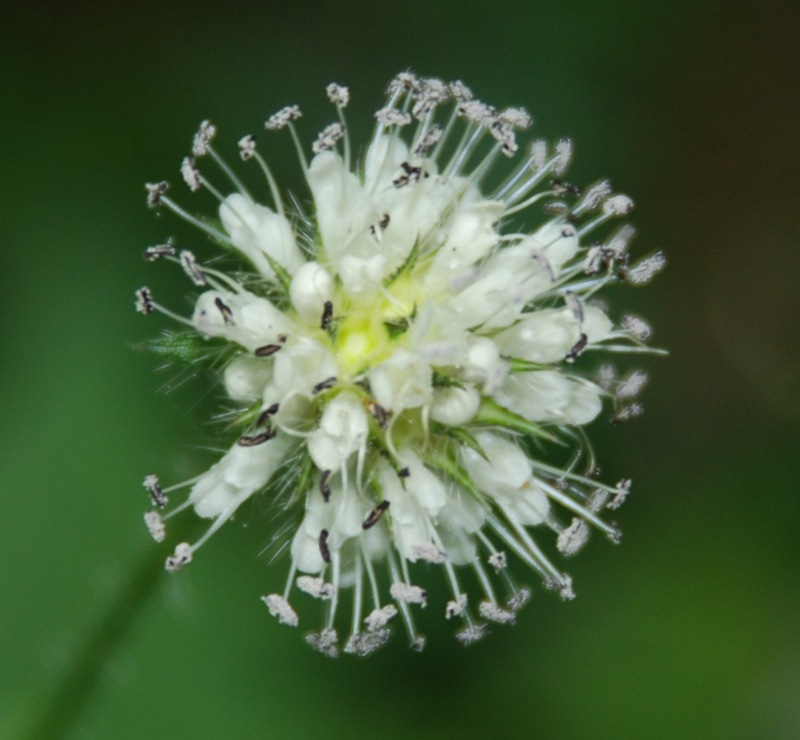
(454, 406)
(549, 396)
(246, 378)
(311, 287)
(507, 463)
(256, 231)
(401, 382)
(342, 431)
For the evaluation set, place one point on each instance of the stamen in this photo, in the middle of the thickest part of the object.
(144, 301)
(471, 634)
(379, 617)
(182, 556)
(324, 385)
(227, 314)
(408, 594)
(494, 613)
(324, 488)
(203, 138)
(258, 439)
(151, 254)
(247, 148)
(267, 413)
(323, 546)
(157, 495)
(191, 268)
(455, 607)
(338, 94)
(622, 490)
(632, 385)
(645, 270)
(573, 538)
(428, 551)
(392, 117)
(155, 525)
(279, 607)
(378, 413)
(375, 515)
(626, 413)
(428, 141)
(155, 193)
(325, 642)
(191, 175)
(328, 137)
(577, 348)
(636, 327)
(315, 587)
(283, 118)
(327, 315)
(267, 350)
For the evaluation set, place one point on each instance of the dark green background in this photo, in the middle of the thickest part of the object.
(688, 630)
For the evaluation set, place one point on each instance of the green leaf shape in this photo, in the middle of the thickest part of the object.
(525, 366)
(459, 434)
(442, 380)
(491, 412)
(445, 463)
(186, 347)
(406, 267)
(398, 327)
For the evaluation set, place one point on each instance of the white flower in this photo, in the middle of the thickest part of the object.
(408, 373)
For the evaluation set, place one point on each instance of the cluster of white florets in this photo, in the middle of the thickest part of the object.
(405, 362)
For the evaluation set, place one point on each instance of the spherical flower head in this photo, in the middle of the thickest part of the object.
(407, 365)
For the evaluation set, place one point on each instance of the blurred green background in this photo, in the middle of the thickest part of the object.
(688, 629)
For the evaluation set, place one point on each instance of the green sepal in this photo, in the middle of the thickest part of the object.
(186, 347)
(406, 267)
(491, 412)
(525, 366)
(281, 273)
(442, 380)
(398, 327)
(459, 435)
(445, 463)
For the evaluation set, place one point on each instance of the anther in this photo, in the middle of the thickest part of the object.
(191, 175)
(247, 147)
(428, 141)
(498, 560)
(191, 268)
(327, 315)
(411, 176)
(626, 413)
(559, 187)
(575, 304)
(410, 594)
(392, 117)
(182, 556)
(324, 488)
(155, 191)
(378, 413)
(403, 473)
(327, 138)
(258, 439)
(280, 608)
(315, 587)
(267, 413)
(573, 538)
(203, 138)
(645, 270)
(227, 314)
(324, 550)
(151, 254)
(153, 486)
(267, 350)
(375, 515)
(283, 118)
(144, 301)
(324, 385)
(338, 94)
(155, 525)
(577, 348)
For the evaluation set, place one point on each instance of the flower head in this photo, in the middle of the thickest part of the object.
(407, 361)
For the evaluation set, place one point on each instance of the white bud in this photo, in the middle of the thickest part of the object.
(310, 289)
